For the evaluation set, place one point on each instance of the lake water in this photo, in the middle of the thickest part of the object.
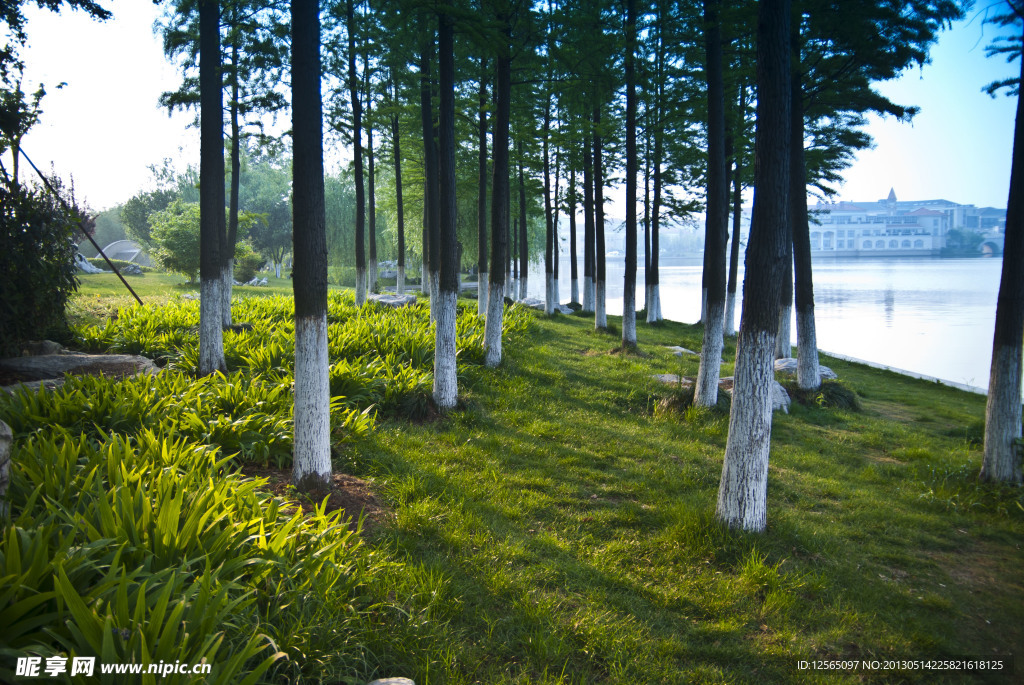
(931, 316)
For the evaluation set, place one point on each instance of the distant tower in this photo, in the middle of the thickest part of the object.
(890, 201)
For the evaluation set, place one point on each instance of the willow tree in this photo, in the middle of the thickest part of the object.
(311, 470)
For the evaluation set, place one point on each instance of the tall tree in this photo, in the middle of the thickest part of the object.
(499, 188)
(743, 490)
(211, 190)
(600, 273)
(589, 256)
(524, 253)
(629, 278)
(311, 470)
(357, 155)
(1002, 460)
(481, 205)
(716, 233)
(446, 387)
(396, 145)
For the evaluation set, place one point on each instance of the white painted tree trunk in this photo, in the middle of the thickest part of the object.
(311, 471)
(277, 269)
(227, 281)
(730, 314)
(1002, 457)
(808, 373)
(509, 286)
(360, 287)
(706, 392)
(600, 312)
(554, 289)
(211, 339)
(549, 294)
(400, 281)
(743, 492)
(492, 329)
(784, 342)
(372, 277)
(435, 283)
(588, 294)
(574, 290)
(522, 286)
(446, 385)
(629, 319)
(654, 304)
(482, 289)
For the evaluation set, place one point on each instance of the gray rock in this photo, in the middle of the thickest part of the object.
(6, 438)
(34, 348)
(392, 681)
(780, 398)
(534, 303)
(680, 351)
(394, 301)
(47, 366)
(787, 367)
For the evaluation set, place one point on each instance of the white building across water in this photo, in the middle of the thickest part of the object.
(891, 227)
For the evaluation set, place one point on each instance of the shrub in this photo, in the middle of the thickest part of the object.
(37, 271)
(175, 231)
(247, 262)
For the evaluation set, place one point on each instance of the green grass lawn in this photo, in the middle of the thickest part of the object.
(557, 528)
(575, 530)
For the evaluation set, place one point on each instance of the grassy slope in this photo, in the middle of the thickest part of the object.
(577, 535)
(555, 530)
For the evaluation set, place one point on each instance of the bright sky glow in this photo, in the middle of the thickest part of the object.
(105, 127)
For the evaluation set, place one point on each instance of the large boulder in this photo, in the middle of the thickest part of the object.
(787, 367)
(534, 303)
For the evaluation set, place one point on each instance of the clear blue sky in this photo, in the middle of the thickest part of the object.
(105, 127)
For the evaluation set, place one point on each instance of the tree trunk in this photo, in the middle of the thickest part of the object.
(357, 153)
(574, 287)
(784, 340)
(737, 215)
(717, 222)
(549, 234)
(311, 470)
(1002, 459)
(647, 216)
(399, 208)
(524, 253)
(227, 277)
(481, 202)
(654, 308)
(499, 199)
(588, 228)
(371, 276)
(446, 387)
(600, 309)
(629, 279)
(808, 374)
(211, 192)
(743, 490)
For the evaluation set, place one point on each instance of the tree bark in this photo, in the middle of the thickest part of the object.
(1002, 458)
(371, 276)
(600, 303)
(629, 279)
(311, 470)
(588, 228)
(549, 234)
(481, 203)
(211, 191)
(716, 227)
(357, 153)
(446, 387)
(574, 287)
(742, 493)
(737, 215)
(227, 277)
(499, 199)
(808, 374)
(399, 208)
(524, 253)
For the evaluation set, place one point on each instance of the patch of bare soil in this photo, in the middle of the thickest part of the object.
(354, 496)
